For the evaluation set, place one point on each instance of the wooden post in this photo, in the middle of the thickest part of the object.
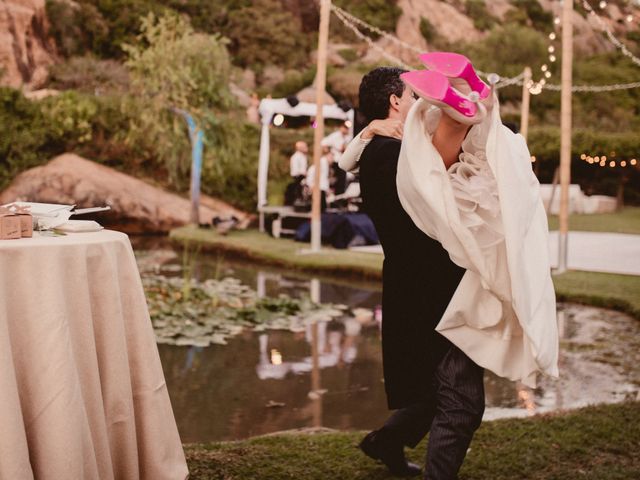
(565, 132)
(624, 178)
(526, 96)
(554, 184)
(321, 81)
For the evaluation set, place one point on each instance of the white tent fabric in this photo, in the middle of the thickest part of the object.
(272, 106)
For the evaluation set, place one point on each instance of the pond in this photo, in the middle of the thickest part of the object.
(329, 373)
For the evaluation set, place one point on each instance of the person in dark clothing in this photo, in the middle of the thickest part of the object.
(432, 385)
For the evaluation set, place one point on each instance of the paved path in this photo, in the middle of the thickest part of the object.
(589, 251)
(599, 252)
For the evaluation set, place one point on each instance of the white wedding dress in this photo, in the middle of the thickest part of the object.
(487, 213)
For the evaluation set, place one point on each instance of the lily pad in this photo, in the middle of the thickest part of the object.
(190, 312)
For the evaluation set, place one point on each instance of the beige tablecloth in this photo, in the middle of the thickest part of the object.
(82, 392)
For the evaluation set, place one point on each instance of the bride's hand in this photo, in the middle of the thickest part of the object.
(386, 128)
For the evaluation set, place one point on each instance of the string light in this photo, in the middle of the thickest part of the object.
(602, 161)
(343, 16)
(610, 35)
(351, 21)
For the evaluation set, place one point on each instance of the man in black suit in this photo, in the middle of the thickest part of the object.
(432, 385)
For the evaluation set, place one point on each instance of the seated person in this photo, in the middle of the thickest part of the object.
(298, 172)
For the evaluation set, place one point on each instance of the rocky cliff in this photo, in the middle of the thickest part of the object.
(25, 50)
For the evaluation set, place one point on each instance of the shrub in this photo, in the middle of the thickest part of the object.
(90, 75)
(477, 10)
(26, 139)
(383, 14)
(427, 30)
(264, 33)
(230, 163)
(97, 26)
(349, 54)
(344, 85)
(173, 67)
(293, 82)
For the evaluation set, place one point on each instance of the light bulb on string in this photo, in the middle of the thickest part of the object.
(552, 58)
(544, 67)
(556, 20)
(536, 89)
(547, 74)
(629, 18)
(551, 49)
(278, 120)
(552, 35)
(603, 4)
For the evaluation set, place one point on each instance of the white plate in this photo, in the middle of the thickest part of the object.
(77, 226)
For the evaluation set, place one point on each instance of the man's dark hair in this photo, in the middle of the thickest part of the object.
(376, 88)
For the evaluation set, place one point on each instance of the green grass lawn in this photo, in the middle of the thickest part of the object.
(609, 290)
(625, 221)
(260, 247)
(593, 443)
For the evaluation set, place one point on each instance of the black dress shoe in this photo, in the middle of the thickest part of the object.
(379, 446)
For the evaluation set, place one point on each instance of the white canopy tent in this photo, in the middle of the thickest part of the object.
(273, 106)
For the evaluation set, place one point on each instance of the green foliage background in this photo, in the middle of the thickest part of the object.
(127, 63)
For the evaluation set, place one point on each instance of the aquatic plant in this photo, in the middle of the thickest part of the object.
(214, 310)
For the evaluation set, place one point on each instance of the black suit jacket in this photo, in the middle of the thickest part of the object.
(418, 281)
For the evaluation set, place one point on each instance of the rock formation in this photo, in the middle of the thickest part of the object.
(25, 50)
(137, 207)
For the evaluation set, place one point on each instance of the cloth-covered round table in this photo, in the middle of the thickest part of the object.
(82, 392)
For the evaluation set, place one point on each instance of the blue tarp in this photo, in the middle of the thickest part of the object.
(342, 230)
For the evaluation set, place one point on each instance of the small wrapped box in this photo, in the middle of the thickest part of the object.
(26, 221)
(10, 225)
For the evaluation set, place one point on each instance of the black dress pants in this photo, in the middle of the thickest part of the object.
(453, 413)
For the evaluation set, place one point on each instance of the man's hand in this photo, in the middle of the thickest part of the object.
(387, 128)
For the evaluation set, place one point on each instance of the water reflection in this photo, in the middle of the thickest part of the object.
(330, 374)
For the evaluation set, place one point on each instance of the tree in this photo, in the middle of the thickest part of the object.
(264, 33)
(172, 66)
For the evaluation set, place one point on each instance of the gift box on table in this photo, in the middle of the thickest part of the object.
(26, 221)
(10, 225)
